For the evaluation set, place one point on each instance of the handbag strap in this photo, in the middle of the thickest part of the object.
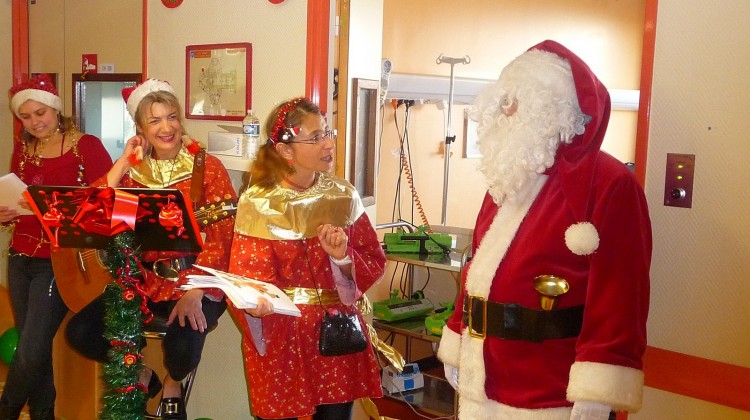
(312, 275)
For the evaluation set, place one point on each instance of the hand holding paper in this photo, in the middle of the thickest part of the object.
(12, 188)
(242, 291)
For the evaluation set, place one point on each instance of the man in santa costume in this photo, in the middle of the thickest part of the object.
(551, 320)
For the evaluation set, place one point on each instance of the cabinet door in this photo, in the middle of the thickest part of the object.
(77, 380)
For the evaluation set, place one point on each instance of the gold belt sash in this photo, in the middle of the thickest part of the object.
(305, 296)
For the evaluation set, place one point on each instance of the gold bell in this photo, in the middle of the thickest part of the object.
(550, 288)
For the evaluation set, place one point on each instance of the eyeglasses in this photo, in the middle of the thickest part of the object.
(318, 138)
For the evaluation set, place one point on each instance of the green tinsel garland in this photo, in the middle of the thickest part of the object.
(125, 398)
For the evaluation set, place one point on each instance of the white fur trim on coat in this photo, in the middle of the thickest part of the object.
(496, 241)
(471, 369)
(619, 386)
(449, 348)
(493, 410)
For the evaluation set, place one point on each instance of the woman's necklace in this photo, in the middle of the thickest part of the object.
(297, 186)
(161, 172)
(41, 144)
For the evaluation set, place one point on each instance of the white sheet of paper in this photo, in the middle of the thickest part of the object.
(241, 292)
(11, 190)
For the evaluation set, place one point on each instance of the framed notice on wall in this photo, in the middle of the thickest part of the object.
(219, 81)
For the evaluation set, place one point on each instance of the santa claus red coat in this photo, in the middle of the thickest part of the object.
(524, 238)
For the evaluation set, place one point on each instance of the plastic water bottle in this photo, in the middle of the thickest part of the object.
(250, 135)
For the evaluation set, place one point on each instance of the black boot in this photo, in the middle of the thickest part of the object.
(9, 412)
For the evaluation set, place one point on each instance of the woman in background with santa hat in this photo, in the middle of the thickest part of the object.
(49, 151)
(161, 155)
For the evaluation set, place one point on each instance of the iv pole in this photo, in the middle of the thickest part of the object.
(448, 137)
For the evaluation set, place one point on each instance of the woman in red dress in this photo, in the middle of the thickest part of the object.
(305, 231)
(161, 156)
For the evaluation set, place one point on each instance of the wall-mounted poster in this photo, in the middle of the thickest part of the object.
(88, 63)
(219, 81)
(471, 150)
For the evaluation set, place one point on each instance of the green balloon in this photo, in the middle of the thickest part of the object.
(8, 344)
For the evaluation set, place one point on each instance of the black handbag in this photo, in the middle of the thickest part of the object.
(341, 334)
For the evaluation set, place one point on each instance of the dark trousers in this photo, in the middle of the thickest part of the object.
(340, 411)
(38, 311)
(182, 345)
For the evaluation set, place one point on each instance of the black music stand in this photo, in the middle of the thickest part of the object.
(144, 219)
(59, 210)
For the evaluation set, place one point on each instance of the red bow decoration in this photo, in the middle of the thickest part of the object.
(126, 280)
(53, 218)
(106, 211)
(171, 216)
(131, 388)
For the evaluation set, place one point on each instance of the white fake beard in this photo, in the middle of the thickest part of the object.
(513, 153)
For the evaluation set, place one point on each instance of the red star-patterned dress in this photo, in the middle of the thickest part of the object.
(216, 243)
(292, 378)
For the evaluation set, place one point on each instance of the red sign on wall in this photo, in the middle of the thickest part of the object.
(171, 3)
(88, 63)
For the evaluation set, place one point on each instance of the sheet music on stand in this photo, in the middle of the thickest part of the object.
(164, 218)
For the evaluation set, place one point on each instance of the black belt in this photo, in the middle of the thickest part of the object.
(169, 268)
(512, 321)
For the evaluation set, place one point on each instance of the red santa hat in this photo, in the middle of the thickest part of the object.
(575, 161)
(39, 88)
(133, 95)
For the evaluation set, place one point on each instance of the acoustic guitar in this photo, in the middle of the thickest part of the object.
(81, 274)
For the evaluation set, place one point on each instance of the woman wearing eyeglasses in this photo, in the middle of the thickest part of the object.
(304, 230)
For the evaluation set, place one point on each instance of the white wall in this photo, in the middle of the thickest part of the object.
(277, 32)
(365, 45)
(701, 260)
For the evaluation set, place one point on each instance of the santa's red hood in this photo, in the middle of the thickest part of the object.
(575, 162)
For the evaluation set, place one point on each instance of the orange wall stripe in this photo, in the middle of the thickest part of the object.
(20, 46)
(647, 78)
(144, 42)
(695, 377)
(20, 29)
(316, 79)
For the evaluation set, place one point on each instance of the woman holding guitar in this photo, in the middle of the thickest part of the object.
(48, 151)
(161, 155)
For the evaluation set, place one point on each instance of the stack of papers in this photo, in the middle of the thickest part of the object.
(242, 291)
(12, 188)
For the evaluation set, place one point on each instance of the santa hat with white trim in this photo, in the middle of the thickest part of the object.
(575, 160)
(134, 94)
(39, 88)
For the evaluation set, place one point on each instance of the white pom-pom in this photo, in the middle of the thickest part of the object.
(582, 238)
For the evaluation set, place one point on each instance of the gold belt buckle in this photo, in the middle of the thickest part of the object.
(483, 301)
(171, 408)
(165, 268)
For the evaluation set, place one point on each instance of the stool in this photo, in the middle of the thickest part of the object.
(157, 329)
